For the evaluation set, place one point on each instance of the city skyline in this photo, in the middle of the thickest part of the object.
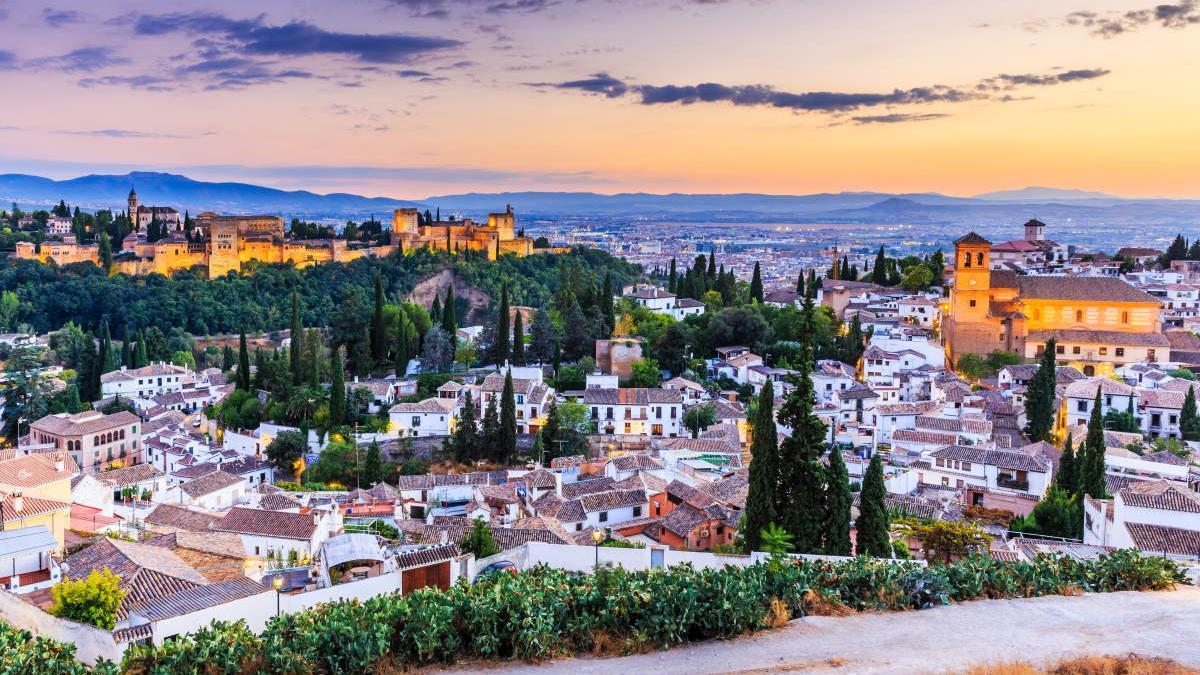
(411, 98)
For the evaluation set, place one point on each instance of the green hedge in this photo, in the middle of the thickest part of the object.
(544, 612)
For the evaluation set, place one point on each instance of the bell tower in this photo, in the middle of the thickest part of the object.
(972, 278)
(133, 207)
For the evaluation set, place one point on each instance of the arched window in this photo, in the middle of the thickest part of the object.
(1124, 317)
(967, 259)
(979, 258)
(1079, 316)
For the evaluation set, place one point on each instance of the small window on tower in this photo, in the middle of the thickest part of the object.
(972, 303)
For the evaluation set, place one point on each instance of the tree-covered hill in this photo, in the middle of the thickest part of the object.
(50, 296)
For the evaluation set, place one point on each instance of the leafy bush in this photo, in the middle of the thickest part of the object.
(94, 600)
(544, 612)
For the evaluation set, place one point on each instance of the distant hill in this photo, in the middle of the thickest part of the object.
(111, 191)
(1045, 194)
(1000, 210)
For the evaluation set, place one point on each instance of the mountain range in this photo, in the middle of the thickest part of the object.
(1078, 207)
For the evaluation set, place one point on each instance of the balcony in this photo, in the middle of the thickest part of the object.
(1012, 483)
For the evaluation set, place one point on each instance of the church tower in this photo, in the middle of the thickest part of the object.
(970, 296)
(133, 207)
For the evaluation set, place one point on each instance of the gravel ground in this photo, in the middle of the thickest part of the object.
(943, 640)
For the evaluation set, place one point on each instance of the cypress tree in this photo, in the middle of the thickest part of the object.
(403, 339)
(756, 285)
(813, 286)
(507, 445)
(1065, 477)
(800, 290)
(1189, 420)
(228, 359)
(518, 340)
(260, 368)
(711, 272)
(465, 441)
(449, 322)
(312, 359)
(378, 329)
(764, 472)
(501, 350)
(372, 467)
(140, 358)
(296, 346)
(606, 307)
(435, 310)
(243, 368)
(673, 281)
(837, 506)
(337, 387)
(879, 270)
(1091, 470)
(127, 349)
(489, 436)
(872, 524)
(1039, 399)
(106, 353)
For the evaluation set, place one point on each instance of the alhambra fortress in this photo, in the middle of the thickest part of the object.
(223, 244)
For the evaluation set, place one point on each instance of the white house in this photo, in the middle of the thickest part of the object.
(530, 394)
(145, 382)
(918, 310)
(1114, 396)
(830, 376)
(431, 417)
(997, 474)
(280, 532)
(643, 412)
(215, 490)
(1160, 517)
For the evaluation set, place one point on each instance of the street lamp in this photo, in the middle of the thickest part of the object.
(277, 583)
(597, 537)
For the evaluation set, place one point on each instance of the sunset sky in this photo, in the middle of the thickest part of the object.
(411, 98)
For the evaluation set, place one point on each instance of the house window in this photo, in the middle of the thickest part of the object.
(972, 303)
(1075, 349)
(604, 516)
(416, 420)
(1081, 406)
(1150, 355)
(1124, 317)
(966, 466)
(1103, 351)
(637, 511)
(1119, 351)
(1060, 349)
(1079, 315)
(674, 411)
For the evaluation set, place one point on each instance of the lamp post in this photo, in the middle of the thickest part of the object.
(277, 584)
(597, 538)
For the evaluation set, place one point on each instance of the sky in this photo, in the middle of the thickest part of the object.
(413, 98)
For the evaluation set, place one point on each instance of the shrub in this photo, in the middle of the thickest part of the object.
(94, 600)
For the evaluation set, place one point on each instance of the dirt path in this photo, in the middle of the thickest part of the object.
(943, 640)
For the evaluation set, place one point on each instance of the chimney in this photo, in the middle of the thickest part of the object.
(18, 502)
(59, 464)
(443, 537)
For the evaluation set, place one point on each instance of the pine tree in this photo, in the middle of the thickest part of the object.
(873, 522)
(337, 387)
(1065, 477)
(542, 338)
(1091, 470)
(501, 350)
(243, 368)
(508, 423)
(379, 345)
(465, 441)
(764, 472)
(1189, 420)
(879, 270)
(756, 285)
(801, 497)
(1039, 398)
(296, 346)
(837, 506)
(518, 341)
